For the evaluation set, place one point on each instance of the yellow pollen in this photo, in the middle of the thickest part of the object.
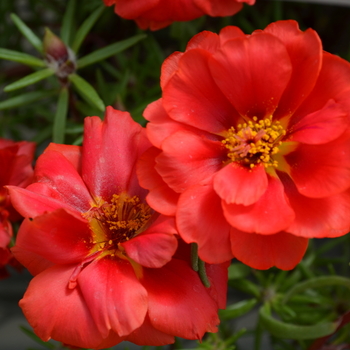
(254, 142)
(116, 221)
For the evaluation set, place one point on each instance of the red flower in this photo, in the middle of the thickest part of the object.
(252, 144)
(157, 14)
(16, 169)
(102, 258)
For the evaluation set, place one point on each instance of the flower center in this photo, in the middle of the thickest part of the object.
(117, 221)
(254, 142)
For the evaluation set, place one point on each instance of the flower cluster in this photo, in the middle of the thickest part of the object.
(246, 155)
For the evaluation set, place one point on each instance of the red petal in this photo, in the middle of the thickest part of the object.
(57, 172)
(72, 153)
(218, 276)
(147, 334)
(321, 126)
(270, 214)
(116, 299)
(222, 8)
(252, 72)
(229, 33)
(180, 304)
(332, 84)
(37, 199)
(318, 217)
(54, 311)
(321, 170)
(199, 219)
(305, 52)
(192, 97)
(188, 159)
(238, 185)
(282, 249)
(110, 151)
(161, 125)
(155, 246)
(205, 40)
(161, 197)
(57, 237)
(132, 9)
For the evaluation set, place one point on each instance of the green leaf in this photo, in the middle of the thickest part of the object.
(108, 51)
(59, 124)
(85, 28)
(317, 282)
(30, 79)
(24, 99)
(86, 91)
(237, 309)
(21, 57)
(291, 331)
(31, 335)
(27, 32)
(238, 270)
(67, 22)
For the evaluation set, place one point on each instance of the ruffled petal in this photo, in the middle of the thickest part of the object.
(230, 32)
(111, 148)
(321, 126)
(161, 125)
(253, 73)
(305, 52)
(318, 217)
(132, 9)
(161, 197)
(155, 246)
(321, 170)
(115, 297)
(270, 214)
(54, 311)
(57, 237)
(333, 83)
(199, 219)
(239, 185)
(192, 97)
(180, 304)
(188, 159)
(57, 172)
(205, 40)
(282, 249)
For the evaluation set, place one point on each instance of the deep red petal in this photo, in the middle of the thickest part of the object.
(192, 97)
(161, 197)
(115, 297)
(321, 126)
(54, 311)
(149, 335)
(305, 52)
(238, 185)
(57, 172)
(282, 249)
(205, 40)
(229, 33)
(57, 237)
(253, 73)
(321, 170)
(218, 276)
(155, 246)
(199, 219)
(188, 159)
(221, 8)
(270, 214)
(110, 151)
(132, 9)
(180, 304)
(318, 217)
